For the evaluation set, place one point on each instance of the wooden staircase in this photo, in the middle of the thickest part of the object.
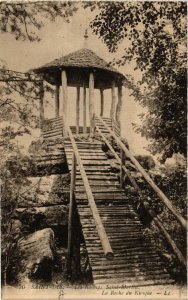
(109, 223)
(136, 261)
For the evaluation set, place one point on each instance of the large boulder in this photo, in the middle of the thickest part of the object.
(45, 191)
(36, 252)
(36, 218)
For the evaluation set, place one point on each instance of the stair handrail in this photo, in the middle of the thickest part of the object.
(146, 176)
(94, 210)
(156, 219)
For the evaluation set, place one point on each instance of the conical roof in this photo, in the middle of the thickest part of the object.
(85, 60)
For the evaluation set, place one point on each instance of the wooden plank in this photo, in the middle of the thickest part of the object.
(101, 189)
(124, 258)
(78, 110)
(122, 250)
(113, 103)
(134, 275)
(132, 283)
(41, 105)
(49, 128)
(102, 102)
(118, 238)
(95, 168)
(84, 110)
(121, 167)
(65, 98)
(112, 229)
(99, 177)
(86, 146)
(53, 134)
(91, 102)
(91, 149)
(128, 267)
(96, 183)
(113, 212)
(99, 257)
(57, 100)
(104, 196)
(119, 104)
(96, 163)
(122, 245)
(91, 157)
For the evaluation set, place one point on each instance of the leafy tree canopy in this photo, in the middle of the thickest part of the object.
(156, 34)
(24, 19)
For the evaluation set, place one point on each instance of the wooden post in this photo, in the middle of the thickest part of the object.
(91, 104)
(84, 110)
(112, 111)
(119, 104)
(41, 105)
(121, 167)
(57, 101)
(78, 110)
(70, 217)
(102, 102)
(65, 98)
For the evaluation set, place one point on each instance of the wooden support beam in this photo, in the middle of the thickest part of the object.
(41, 104)
(57, 100)
(70, 217)
(102, 102)
(152, 184)
(119, 104)
(78, 110)
(97, 219)
(91, 103)
(142, 197)
(121, 167)
(84, 110)
(113, 104)
(65, 97)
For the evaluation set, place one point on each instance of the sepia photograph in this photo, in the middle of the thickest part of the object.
(93, 149)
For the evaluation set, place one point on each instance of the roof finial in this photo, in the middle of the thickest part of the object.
(86, 36)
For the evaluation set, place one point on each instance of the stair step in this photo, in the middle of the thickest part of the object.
(103, 196)
(85, 151)
(135, 256)
(133, 283)
(99, 189)
(89, 157)
(155, 277)
(128, 267)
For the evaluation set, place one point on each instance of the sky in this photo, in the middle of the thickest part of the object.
(59, 38)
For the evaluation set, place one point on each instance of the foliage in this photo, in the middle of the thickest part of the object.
(23, 19)
(13, 165)
(155, 34)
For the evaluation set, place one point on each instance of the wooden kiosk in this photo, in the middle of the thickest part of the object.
(83, 69)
